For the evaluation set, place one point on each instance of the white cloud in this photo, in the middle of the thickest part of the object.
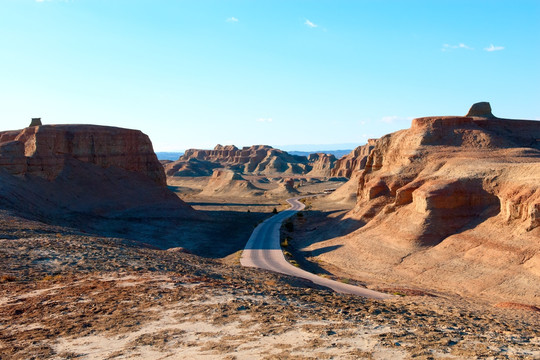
(264, 120)
(232, 19)
(494, 48)
(393, 119)
(310, 24)
(447, 47)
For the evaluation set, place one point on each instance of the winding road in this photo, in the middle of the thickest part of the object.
(263, 251)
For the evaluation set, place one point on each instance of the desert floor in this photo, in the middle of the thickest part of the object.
(69, 294)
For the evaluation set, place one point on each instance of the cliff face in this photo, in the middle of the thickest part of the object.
(354, 161)
(321, 164)
(453, 203)
(44, 150)
(256, 159)
(55, 171)
(450, 171)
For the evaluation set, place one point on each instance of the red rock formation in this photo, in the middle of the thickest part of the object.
(354, 161)
(321, 164)
(452, 204)
(441, 165)
(56, 171)
(256, 159)
(45, 150)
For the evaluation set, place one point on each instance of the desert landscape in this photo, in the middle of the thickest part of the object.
(108, 253)
(269, 180)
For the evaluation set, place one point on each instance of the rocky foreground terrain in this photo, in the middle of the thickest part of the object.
(67, 295)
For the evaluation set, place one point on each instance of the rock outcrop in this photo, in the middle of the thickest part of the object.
(443, 168)
(45, 150)
(254, 160)
(36, 122)
(55, 171)
(354, 161)
(321, 164)
(285, 189)
(481, 109)
(451, 203)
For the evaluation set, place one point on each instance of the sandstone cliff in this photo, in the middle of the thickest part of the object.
(256, 159)
(321, 164)
(56, 170)
(354, 161)
(451, 203)
(44, 150)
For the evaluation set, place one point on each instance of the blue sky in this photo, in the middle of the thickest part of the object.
(198, 73)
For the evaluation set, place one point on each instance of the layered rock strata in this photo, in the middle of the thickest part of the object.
(354, 161)
(321, 164)
(256, 159)
(453, 204)
(43, 150)
(56, 171)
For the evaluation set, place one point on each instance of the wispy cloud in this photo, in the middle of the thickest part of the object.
(393, 119)
(448, 47)
(310, 24)
(494, 48)
(264, 120)
(232, 19)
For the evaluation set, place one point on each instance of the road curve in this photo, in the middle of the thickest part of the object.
(263, 251)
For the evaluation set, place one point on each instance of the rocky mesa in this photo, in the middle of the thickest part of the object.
(57, 170)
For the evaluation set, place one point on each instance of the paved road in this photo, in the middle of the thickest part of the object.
(264, 251)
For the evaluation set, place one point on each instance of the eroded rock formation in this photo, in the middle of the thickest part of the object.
(354, 161)
(450, 171)
(256, 159)
(453, 203)
(45, 149)
(321, 164)
(228, 183)
(53, 170)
